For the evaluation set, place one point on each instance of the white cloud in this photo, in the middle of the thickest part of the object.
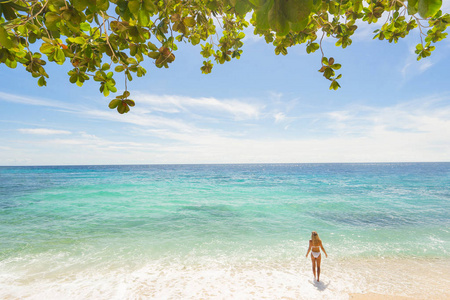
(339, 115)
(42, 131)
(143, 120)
(33, 101)
(412, 131)
(412, 67)
(87, 143)
(425, 65)
(275, 96)
(417, 130)
(420, 116)
(240, 110)
(279, 117)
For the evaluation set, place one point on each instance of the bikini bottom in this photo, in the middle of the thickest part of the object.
(315, 254)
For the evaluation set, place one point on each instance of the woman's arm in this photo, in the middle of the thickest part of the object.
(321, 246)
(309, 249)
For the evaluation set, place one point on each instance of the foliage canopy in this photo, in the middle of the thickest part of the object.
(104, 38)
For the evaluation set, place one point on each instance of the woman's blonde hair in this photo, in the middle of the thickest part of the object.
(315, 238)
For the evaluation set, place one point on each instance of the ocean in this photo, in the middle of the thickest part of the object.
(224, 231)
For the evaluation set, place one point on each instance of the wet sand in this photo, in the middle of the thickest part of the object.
(373, 296)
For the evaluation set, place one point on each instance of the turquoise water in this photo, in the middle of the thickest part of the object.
(70, 219)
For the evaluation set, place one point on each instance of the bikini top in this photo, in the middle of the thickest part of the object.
(315, 246)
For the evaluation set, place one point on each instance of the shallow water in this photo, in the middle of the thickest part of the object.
(207, 230)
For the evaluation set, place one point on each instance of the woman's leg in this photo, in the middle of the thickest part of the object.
(318, 260)
(313, 261)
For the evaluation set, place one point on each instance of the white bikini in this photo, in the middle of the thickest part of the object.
(315, 254)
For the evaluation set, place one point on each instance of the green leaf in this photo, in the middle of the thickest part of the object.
(119, 68)
(195, 39)
(299, 26)
(334, 85)
(189, 21)
(11, 63)
(296, 11)
(126, 94)
(154, 55)
(113, 104)
(102, 4)
(8, 11)
(59, 56)
(143, 17)
(280, 49)
(152, 46)
(242, 7)
(133, 49)
(207, 67)
(134, 6)
(51, 19)
(130, 102)
(17, 6)
(79, 40)
(131, 60)
(262, 19)
(428, 8)
(41, 81)
(149, 5)
(328, 73)
(80, 4)
(73, 78)
(100, 76)
(85, 26)
(358, 6)
(5, 40)
(141, 72)
(105, 90)
(46, 48)
(336, 66)
(277, 19)
(123, 108)
(413, 7)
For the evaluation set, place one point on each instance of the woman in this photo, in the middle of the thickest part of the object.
(314, 246)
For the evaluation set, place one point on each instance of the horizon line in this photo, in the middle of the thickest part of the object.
(225, 164)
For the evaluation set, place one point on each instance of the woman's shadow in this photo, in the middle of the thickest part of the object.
(320, 285)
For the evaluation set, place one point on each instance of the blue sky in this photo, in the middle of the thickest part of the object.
(262, 108)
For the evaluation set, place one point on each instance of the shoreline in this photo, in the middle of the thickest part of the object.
(363, 279)
(374, 296)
